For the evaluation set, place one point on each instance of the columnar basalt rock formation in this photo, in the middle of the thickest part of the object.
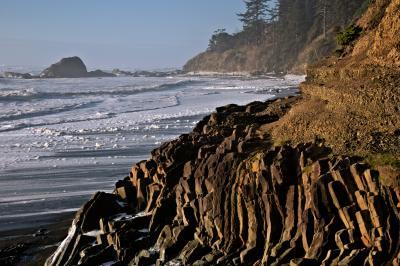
(224, 195)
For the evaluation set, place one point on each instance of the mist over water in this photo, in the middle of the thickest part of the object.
(63, 139)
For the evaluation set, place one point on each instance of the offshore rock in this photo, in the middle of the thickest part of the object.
(71, 67)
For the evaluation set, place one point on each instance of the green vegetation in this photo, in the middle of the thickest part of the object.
(255, 20)
(255, 13)
(389, 168)
(347, 36)
(384, 159)
(220, 41)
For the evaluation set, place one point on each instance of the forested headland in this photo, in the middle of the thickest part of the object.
(281, 36)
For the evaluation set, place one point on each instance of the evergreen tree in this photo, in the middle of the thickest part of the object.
(255, 13)
(220, 41)
(323, 7)
(254, 19)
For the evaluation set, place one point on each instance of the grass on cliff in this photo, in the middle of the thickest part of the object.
(388, 166)
(383, 159)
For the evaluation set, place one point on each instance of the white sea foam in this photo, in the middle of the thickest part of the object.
(5, 92)
(55, 133)
(295, 78)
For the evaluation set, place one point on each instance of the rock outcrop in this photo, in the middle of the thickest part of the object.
(71, 67)
(225, 195)
(16, 75)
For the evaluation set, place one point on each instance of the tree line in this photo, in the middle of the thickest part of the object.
(286, 26)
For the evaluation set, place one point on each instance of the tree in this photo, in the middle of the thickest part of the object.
(255, 13)
(323, 9)
(254, 18)
(272, 20)
(220, 41)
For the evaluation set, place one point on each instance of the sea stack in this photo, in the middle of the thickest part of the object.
(71, 67)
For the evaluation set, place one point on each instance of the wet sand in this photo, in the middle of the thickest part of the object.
(32, 246)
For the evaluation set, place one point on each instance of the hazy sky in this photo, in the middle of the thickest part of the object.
(111, 33)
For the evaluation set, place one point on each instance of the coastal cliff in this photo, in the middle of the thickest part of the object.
(306, 180)
(295, 35)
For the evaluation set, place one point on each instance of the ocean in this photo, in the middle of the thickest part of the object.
(61, 140)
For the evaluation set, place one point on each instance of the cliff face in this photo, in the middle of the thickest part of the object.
(382, 43)
(352, 102)
(274, 183)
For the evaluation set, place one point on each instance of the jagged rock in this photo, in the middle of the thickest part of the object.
(126, 191)
(144, 258)
(87, 219)
(95, 255)
(203, 200)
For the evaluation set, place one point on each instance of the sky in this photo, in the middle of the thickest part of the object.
(126, 34)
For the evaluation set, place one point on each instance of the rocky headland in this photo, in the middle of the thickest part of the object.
(306, 180)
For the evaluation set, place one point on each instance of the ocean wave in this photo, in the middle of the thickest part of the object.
(273, 90)
(24, 94)
(16, 93)
(295, 78)
(63, 120)
(48, 111)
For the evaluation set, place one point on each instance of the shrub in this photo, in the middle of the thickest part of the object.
(348, 35)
